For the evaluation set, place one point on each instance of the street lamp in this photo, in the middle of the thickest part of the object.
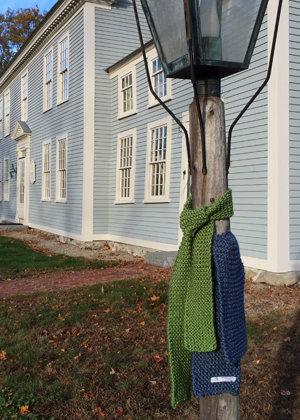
(221, 34)
(13, 171)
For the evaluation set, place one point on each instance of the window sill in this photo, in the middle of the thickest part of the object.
(6, 199)
(47, 200)
(46, 110)
(6, 135)
(156, 200)
(155, 102)
(128, 114)
(61, 200)
(124, 202)
(62, 102)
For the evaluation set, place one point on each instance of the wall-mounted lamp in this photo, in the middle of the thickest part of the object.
(13, 171)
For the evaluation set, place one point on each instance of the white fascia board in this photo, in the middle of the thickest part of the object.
(57, 231)
(123, 67)
(89, 123)
(278, 145)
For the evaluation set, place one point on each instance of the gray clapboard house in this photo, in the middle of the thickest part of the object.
(98, 159)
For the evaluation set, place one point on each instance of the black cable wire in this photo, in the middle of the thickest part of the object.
(153, 92)
(261, 87)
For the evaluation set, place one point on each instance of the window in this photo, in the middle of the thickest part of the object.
(6, 179)
(61, 179)
(161, 85)
(1, 116)
(63, 90)
(7, 112)
(127, 93)
(0, 180)
(158, 161)
(24, 105)
(126, 167)
(48, 74)
(46, 175)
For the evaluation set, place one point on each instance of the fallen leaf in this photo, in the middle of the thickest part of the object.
(162, 340)
(128, 329)
(153, 382)
(143, 323)
(154, 298)
(122, 411)
(106, 310)
(102, 289)
(112, 372)
(158, 358)
(8, 279)
(261, 382)
(24, 410)
(87, 396)
(3, 355)
(275, 328)
(61, 318)
(99, 412)
(285, 393)
(166, 353)
(287, 339)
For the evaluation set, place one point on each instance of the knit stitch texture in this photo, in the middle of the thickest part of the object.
(229, 274)
(229, 280)
(191, 309)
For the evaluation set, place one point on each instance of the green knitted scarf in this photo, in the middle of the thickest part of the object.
(191, 310)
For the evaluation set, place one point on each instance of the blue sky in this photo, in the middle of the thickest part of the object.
(16, 4)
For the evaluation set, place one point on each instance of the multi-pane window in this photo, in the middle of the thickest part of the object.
(1, 116)
(48, 81)
(24, 104)
(62, 169)
(159, 80)
(63, 69)
(7, 112)
(158, 157)
(125, 166)
(46, 181)
(6, 179)
(127, 93)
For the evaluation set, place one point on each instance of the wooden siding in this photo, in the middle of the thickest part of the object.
(66, 118)
(294, 130)
(116, 37)
(248, 176)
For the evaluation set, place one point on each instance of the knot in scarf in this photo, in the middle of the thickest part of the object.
(191, 307)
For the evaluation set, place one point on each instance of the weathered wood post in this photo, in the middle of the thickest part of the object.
(224, 406)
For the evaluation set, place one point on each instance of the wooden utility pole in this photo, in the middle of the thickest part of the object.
(224, 406)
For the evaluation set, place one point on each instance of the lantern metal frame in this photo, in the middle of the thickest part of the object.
(13, 171)
(181, 69)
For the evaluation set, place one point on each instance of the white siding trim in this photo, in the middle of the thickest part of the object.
(130, 199)
(7, 92)
(278, 145)
(1, 180)
(1, 116)
(89, 123)
(5, 159)
(184, 167)
(166, 198)
(57, 231)
(137, 242)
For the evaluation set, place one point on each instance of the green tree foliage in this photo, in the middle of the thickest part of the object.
(15, 27)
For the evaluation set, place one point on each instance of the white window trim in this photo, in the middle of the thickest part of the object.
(22, 102)
(1, 117)
(1, 180)
(5, 159)
(44, 143)
(129, 200)
(152, 101)
(61, 38)
(50, 50)
(57, 199)
(166, 198)
(133, 111)
(4, 108)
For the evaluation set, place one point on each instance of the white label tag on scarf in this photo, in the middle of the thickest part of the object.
(222, 379)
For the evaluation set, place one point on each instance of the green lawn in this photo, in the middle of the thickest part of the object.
(101, 351)
(18, 260)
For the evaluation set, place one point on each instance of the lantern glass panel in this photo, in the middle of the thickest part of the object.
(227, 27)
(169, 21)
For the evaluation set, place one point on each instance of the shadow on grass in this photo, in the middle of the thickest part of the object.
(288, 364)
